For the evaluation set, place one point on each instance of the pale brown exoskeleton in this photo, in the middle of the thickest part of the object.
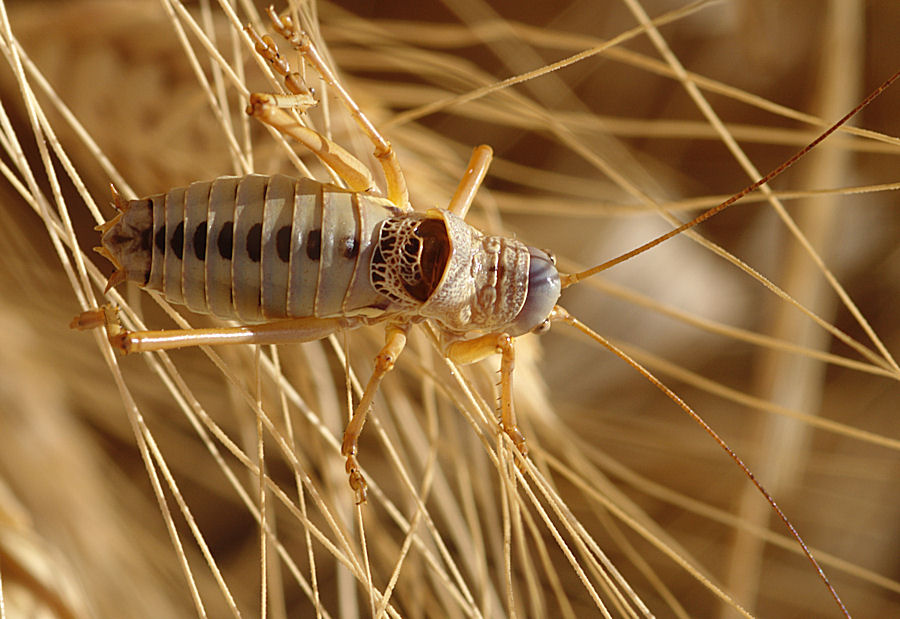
(297, 260)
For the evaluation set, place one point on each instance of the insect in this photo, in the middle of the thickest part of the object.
(352, 258)
(298, 260)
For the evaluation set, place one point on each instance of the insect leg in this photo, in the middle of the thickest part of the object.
(384, 153)
(470, 351)
(267, 48)
(279, 332)
(270, 109)
(471, 180)
(384, 363)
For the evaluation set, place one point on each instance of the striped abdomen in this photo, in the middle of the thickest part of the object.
(254, 248)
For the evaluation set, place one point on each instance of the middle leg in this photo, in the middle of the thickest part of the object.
(384, 363)
(471, 180)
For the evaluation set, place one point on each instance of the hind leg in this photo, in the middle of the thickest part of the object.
(384, 152)
(278, 332)
(273, 110)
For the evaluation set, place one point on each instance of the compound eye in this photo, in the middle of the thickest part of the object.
(550, 255)
(541, 328)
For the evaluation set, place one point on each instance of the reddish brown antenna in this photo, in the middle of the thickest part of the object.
(561, 315)
(569, 279)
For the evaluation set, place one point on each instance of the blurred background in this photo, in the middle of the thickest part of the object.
(129, 486)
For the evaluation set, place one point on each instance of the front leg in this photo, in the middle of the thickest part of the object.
(470, 351)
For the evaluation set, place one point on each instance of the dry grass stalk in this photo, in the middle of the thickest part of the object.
(585, 155)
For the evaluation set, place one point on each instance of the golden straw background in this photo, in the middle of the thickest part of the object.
(621, 480)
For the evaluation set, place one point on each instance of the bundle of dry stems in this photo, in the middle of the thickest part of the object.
(131, 486)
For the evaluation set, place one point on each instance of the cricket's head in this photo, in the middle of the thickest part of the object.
(543, 293)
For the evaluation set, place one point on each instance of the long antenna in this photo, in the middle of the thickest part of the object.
(560, 314)
(572, 278)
